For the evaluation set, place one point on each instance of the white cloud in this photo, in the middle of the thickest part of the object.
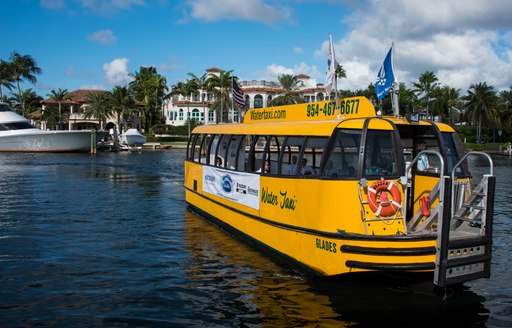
(250, 10)
(274, 70)
(110, 6)
(298, 50)
(116, 72)
(105, 37)
(53, 4)
(102, 7)
(93, 87)
(169, 68)
(70, 71)
(458, 40)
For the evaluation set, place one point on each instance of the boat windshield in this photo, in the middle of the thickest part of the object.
(15, 126)
(380, 155)
(5, 108)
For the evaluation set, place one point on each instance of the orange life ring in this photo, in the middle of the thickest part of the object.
(384, 206)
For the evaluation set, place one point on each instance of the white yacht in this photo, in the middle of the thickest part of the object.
(18, 135)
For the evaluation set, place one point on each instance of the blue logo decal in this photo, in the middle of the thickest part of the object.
(227, 183)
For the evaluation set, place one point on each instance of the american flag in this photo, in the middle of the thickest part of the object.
(238, 95)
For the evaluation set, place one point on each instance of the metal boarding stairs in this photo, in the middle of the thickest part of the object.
(461, 215)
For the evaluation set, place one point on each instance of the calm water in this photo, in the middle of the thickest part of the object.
(107, 241)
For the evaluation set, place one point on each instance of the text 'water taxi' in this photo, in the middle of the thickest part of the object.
(335, 189)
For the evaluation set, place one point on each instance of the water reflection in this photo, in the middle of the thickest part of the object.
(263, 292)
(107, 241)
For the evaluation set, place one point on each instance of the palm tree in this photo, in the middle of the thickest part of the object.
(481, 100)
(148, 87)
(340, 74)
(6, 76)
(185, 89)
(202, 86)
(29, 98)
(99, 106)
(122, 102)
(23, 67)
(290, 95)
(222, 85)
(426, 83)
(506, 109)
(50, 116)
(59, 96)
(446, 98)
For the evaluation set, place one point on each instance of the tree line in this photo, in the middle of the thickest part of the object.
(482, 105)
(142, 96)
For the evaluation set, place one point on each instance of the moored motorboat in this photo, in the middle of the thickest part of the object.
(333, 188)
(18, 135)
(132, 138)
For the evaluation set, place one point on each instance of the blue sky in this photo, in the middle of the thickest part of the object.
(95, 44)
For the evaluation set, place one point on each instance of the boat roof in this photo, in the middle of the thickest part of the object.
(314, 119)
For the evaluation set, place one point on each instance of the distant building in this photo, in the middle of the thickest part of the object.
(75, 119)
(257, 93)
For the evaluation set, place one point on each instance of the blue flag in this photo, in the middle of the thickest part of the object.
(386, 76)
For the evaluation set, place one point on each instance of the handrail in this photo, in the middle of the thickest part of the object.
(431, 152)
(441, 173)
(456, 166)
(491, 171)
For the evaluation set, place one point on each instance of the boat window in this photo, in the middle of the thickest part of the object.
(5, 108)
(312, 156)
(232, 158)
(200, 154)
(380, 156)
(452, 157)
(257, 152)
(290, 154)
(222, 148)
(15, 126)
(213, 151)
(342, 160)
(193, 146)
(246, 153)
(455, 150)
(428, 163)
(272, 153)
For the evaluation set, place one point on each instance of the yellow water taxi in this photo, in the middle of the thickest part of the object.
(334, 188)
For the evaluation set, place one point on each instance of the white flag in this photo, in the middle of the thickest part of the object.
(331, 68)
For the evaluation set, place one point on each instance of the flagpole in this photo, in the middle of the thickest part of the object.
(394, 94)
(232, 98)
(335, 89)
(332, 77)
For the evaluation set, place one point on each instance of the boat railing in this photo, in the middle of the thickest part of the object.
(420, 221)
(462, 188)
(464, 241)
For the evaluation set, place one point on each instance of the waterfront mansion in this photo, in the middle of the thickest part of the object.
(257, 94)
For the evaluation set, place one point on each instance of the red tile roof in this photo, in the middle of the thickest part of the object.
(79, 96)
(303, 76)
(214, 69)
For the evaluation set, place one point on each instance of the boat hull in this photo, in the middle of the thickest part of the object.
(134, 140)
(319, 252)
(132, 137)
(47, 141)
